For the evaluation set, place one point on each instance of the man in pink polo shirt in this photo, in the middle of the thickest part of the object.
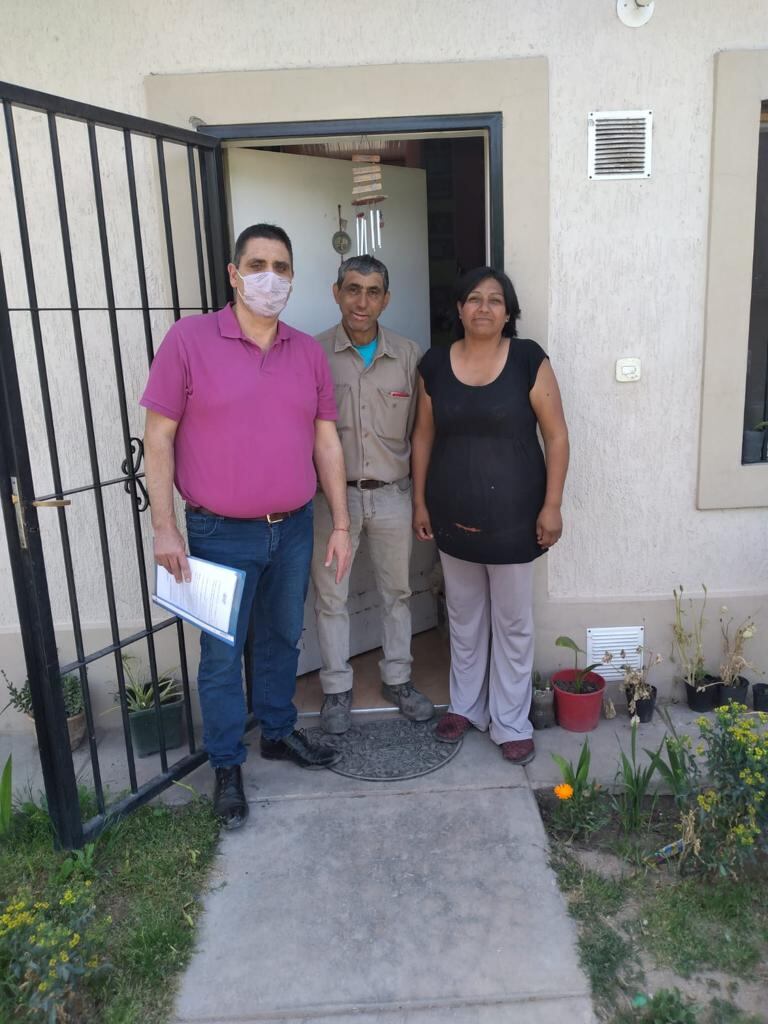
(240, 415)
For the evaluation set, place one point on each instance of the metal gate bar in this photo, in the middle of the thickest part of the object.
(27, 556)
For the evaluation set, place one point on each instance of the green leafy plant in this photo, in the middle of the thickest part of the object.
(635, 784)
(6, 795)
(78, 862)
(20, 697)
(665, 1007)
(139, 691)
(578, 808)
(680, 770)
(540, 683)
(727, 823)
(687, 641)
(577, 685)
(48, 948)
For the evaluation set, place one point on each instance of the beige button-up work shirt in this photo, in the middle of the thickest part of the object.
(377, 404)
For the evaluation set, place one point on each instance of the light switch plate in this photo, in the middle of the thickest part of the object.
(627, 369)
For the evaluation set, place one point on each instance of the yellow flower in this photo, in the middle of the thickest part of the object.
(43, 986)
(68, 897)
(74, 941)
(564, 791)
(64, 956)
(93, 962)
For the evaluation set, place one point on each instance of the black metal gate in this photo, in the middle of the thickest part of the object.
(125, 232)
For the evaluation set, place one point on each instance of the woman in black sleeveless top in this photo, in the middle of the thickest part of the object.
(484, 490)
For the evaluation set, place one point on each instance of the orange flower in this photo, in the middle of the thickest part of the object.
(563, 791)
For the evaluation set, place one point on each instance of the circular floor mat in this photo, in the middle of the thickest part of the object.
(389, 749)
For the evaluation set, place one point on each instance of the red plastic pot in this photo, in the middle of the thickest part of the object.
(578, 712)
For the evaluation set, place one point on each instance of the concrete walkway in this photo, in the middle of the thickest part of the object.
(419, 902)
(423, 901)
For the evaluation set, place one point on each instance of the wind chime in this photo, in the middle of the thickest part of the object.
(366, 195)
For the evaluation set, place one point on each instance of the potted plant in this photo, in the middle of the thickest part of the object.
(640, 693)
(20, 699)
(752, 443)
(143, 714)
(578, 692)
(701, 689)
(735, 687)
(542, 702)
(760, 696)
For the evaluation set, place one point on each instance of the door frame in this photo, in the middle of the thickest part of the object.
(490, 122)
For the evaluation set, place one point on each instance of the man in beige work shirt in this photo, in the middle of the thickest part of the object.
(374, 373)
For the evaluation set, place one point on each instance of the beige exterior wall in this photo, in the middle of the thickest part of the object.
(604, 269)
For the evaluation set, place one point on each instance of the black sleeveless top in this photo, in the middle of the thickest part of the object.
(487, 468)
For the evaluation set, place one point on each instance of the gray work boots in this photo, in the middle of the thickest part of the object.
(336, 712)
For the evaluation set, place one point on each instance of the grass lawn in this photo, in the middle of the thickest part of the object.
(146, 876)
(660, 947)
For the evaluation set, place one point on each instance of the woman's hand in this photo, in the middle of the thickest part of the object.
(421, 525)
(549, 526)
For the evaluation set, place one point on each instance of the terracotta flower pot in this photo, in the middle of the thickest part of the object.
(76, 727)
(578, 712)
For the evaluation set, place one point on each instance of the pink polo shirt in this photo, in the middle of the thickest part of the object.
(246, 418)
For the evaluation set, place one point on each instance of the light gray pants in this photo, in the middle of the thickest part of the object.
(384, 515)
(491, 681)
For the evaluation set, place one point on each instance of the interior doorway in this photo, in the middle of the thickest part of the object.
(441, 217)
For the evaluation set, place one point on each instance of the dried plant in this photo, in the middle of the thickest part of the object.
(687, 644)
(636, 677)
(733, 647)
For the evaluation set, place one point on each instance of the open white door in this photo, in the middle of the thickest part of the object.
(302, 194)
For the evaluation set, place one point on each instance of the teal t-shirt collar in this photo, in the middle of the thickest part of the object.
(367, 352)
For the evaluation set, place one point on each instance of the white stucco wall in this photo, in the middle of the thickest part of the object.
(627, 259)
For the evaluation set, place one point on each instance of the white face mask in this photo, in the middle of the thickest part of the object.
(265, 293)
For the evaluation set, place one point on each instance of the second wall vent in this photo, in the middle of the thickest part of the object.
(619, 144)
(615, 639)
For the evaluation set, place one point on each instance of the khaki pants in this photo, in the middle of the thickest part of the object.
(384, 515)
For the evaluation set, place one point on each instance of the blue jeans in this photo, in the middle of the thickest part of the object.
(275, 560)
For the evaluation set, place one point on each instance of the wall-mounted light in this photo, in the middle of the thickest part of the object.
(634, 13)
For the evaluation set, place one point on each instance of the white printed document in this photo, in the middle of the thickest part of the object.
(210, 601)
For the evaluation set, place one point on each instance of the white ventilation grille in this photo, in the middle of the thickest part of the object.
(619, 144)
(615, 639)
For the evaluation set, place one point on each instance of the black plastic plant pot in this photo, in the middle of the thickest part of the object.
(736, 694)
(760, 696)
(145, 734)
(644, 707)
(706, 698)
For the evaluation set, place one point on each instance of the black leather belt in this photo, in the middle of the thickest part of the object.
(271, 517)
(367, 485)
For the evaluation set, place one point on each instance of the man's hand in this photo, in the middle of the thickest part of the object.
(340, 548)
(421, 523)
(171, 553)
(549, 526)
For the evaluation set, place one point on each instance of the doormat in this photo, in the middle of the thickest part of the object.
(388, 750)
